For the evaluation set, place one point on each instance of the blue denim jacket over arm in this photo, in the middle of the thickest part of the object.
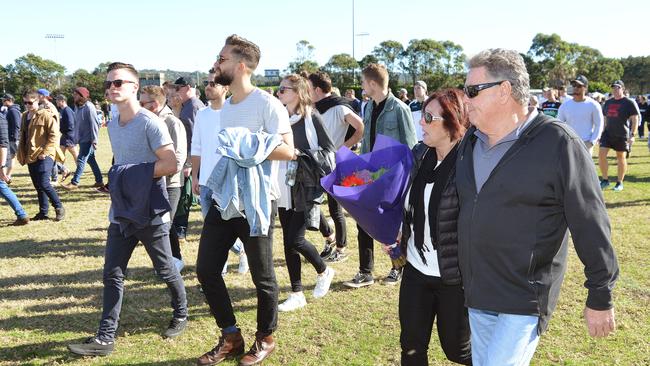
(243, 174)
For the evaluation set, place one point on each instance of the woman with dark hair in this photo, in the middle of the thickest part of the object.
(301, 193)
(431, 283)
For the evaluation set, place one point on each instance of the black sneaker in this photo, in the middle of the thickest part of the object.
(360, 280)
(60, 213)
(328, 250)
(176, 327)
(40, 216)
(394, 276)
(337, 257)
(92, 347)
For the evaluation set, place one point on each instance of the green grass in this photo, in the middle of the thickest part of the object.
(51, 293)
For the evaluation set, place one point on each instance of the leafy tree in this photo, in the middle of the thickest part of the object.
(637, 74)
(93, 82)
(341, 68)
(555, 57)
(367, 60)
(419, 57)
(32, 72)
(389, 53)
(304, 61)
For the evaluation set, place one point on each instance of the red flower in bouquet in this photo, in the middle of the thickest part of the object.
(362, 177)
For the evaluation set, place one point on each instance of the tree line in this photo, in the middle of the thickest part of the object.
(550, 61)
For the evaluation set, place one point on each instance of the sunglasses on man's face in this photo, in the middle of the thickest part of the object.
(472, 90)
(29, 102)
(211, 84)
(116, 83)
(428, 118)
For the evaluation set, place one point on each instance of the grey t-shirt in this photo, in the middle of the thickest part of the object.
(259, 111)
(137, 142)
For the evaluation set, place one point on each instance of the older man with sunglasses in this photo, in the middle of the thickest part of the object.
(523, 179)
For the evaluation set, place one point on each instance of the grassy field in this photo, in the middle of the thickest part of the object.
(50, 294)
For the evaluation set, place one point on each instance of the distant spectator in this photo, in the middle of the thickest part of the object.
(356, 103)
(87, 136)
(13, 121)
(420, 93)
(403, 95)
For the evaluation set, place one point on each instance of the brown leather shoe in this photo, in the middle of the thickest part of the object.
(230, 346)
(261, 349)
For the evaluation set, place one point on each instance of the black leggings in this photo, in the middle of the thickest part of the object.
(422, 298)
(293, 236)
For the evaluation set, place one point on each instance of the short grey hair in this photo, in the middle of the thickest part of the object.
(508, 65)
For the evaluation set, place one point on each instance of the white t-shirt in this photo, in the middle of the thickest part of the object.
(586, 118)
(259, 111)
(431, 255)
(207, 125)
(335, 124)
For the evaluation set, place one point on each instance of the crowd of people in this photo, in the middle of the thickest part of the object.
(490, 282)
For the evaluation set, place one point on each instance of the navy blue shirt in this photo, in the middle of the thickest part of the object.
(188, 112)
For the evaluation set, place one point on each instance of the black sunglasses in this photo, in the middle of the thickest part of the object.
(27, 102)
(472, 90)
(116, 83)
(428, 118)
(282, 89)
(210, 83)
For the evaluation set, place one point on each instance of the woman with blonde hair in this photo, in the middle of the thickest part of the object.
(301, 191)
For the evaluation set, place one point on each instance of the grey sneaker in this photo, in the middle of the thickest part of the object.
(360, 280)
(393, 277)
(328, 250)
(92, 347)
(176, 327)
(337, 257)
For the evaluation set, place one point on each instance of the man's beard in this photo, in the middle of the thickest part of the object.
(223, 79)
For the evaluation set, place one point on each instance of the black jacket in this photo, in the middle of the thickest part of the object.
(14, 118)
(4, 135)
(513, 233)
(446, 225)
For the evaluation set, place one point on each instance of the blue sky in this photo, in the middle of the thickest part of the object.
(187, 35)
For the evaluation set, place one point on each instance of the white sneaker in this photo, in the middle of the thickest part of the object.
(243, 263)
(296, 300)
(323, 282)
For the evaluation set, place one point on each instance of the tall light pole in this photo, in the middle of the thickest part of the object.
(55, 36)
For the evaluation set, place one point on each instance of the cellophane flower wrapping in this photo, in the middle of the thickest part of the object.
(376, 206)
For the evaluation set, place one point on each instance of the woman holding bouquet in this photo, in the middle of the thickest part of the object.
(431, 284)
(301, 191)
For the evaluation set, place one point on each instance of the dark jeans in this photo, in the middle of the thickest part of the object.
(180, 222)
(40, 171)
(324, 227)
(422, 299)
(217, 236)
(366, 251)
(641, 127)
(87, 154)
(336, 212)
(174, 195)
(293, 234)
(116, 258)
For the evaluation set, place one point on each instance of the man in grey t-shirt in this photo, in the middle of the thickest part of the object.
(138, 136)
(256, 110)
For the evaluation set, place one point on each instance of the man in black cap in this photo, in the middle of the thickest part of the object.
(190, 105)
(618, 135)
(583, 114)
(13, 124)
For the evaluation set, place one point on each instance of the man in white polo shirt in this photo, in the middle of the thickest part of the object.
(204, 155)
(583, 114)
